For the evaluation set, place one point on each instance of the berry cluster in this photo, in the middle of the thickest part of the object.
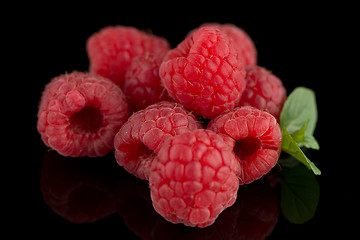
(148, 102)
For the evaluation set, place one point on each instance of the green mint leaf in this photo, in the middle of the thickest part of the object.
(309, 142)
(290, 146)
(300, 107)
(305, 140)
(300, 193)
(298, 136)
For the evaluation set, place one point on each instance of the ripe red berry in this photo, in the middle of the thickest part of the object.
(140, 138)
(241, 41)
(204, 73)
(193, 178)
(264, 91)
(143, 85)
(258, 140)
(112, 49)
(80, 113)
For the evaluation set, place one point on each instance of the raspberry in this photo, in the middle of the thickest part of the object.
(241, 41)
(193, 178)
(112, 49)
(80, 113)
(140, 138)
(263, 90)
(258, 140)
(204, 73)
(142, 82)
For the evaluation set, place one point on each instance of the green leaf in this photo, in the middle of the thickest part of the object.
(305, 140)
(300, 107)
(300, 193)
(290, 146)
(310, 142)
(298, 136)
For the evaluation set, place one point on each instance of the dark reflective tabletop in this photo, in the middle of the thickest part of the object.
(95, 197)
(90, 192)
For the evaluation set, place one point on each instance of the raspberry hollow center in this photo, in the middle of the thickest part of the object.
(145, 153)
(87, 120)
(244, 148)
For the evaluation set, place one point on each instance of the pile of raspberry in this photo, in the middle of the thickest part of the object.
(195, 121)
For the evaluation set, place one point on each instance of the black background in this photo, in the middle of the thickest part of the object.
(302, 45)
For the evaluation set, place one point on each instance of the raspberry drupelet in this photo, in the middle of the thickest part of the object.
(140, 138)
(80, 113)
(204, 73)
(193, 178)
(258, 140)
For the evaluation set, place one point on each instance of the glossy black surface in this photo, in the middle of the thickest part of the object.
(48, 195)
(93, 192)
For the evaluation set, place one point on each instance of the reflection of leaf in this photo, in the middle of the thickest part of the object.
(290, 146)
(300, 193)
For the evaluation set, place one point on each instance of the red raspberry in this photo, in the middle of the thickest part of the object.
(140, 138)
(204, 73)
(193, 178)
(258, 140)
(80, 113)
(112, 49)
(241, 41)
(142, 82)
(263, 90)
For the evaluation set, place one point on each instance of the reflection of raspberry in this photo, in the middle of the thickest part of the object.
(142, 82)
(134, 201)
(263, 90)
(258, 140)
(204, 73)
(111, 50)
(241, 41)
(79, 191)
(141, 137)
(194, 178)
(252, 217)
(258, 211)
(80, 113)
